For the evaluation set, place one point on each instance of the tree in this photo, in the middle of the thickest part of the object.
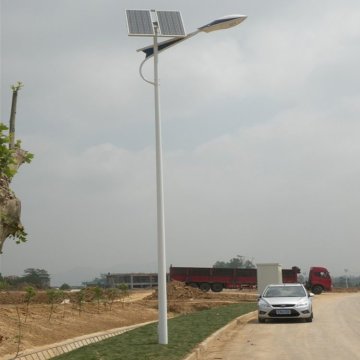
(54, 296)
(11, 158)
(98, 295)
(39, 278)
(3, 284)
(80, 299)
(65, 286)
(239, 262)
(124, 292)
(110, 295)
(30, 293)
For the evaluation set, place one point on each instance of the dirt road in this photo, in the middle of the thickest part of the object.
(334, 335)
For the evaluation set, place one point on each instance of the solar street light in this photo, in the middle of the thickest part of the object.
(222, 23)
(157, 24)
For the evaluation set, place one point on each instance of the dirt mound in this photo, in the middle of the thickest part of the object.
(177, 290)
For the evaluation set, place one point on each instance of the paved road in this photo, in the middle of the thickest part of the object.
(333, 335)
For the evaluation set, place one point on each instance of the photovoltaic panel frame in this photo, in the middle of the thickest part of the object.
(139, 23)
(143, 22)
(170, 23)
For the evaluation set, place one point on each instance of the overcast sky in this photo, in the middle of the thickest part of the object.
(260, 129)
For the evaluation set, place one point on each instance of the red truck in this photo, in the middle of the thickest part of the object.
(319, 280)
(218, 279)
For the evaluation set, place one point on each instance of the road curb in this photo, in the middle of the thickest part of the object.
(200, 349)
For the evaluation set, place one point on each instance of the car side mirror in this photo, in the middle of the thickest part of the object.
(311, 294)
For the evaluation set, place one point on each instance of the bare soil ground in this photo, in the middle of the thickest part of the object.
(35, 329)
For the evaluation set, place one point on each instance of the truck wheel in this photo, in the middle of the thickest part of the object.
(317, 289)
(205, 287)
(216, 287)
(194, 285)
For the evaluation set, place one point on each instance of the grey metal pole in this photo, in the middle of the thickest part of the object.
(162, 293)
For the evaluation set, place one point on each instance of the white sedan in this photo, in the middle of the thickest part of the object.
(289, 301)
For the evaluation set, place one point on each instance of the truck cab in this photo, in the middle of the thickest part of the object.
(319, 280)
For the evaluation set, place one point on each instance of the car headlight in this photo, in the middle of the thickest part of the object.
(264, 304)
(303, 303)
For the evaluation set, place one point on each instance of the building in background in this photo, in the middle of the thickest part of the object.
(132, 280)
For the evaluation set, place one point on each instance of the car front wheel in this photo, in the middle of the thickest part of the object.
(310, 319)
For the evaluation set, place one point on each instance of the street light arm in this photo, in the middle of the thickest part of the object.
(141, 74)
(149, 50)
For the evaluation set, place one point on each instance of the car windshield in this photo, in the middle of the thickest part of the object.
(285, 291)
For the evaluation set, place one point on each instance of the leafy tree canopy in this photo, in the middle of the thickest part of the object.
(38, 278)
(239, 262)
(7, 158)
(65, 287)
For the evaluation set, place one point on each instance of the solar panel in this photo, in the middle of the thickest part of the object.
(139, 23)
(143, 22)
(170, 23)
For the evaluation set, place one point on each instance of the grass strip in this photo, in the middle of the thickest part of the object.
(185, 332)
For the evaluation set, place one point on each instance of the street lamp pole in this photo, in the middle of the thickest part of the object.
(162, 294)
(153, 51)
